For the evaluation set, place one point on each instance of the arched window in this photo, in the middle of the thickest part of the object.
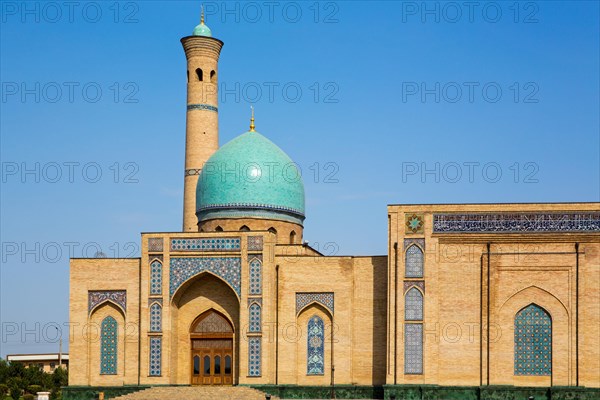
(315, 350)
(254, 318)
(188, 75)
(413, 310)
(218, 229)
(533, 341)
(155, 277)
(155, 318)
(108, 346)
(244, 228)
(255, 276)
(199, 74)
(414, 262)
(213, 76)
(273, 230)
(292, 237)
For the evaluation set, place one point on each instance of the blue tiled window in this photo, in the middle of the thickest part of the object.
(533, 341)
(255, 276)
(413, 310)
(255, 318)
(254, 356)
(108, 346)
(155, 355)
(414, 262)
(315, 351)
(413, 348)
(155, 318)
(155, 277)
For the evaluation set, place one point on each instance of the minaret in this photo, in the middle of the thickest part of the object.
(202, 122)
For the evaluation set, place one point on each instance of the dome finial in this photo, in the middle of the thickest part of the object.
(252, 120)
(202, 14)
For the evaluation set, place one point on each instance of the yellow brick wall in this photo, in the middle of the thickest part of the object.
(84, 353)
(524, 268)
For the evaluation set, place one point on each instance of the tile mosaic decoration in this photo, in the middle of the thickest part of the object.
(255, 243)
(254, 355)
(155, 318)
(108, 346)
(95, 297)
(315, 351)
(206, 244)
(533, 342)
(192, 171)
(418, 242)
(257, 300)
(206, 107)
(255, 272)
(413, 305)
(155, 244)
(155, 355)
(414, 223)
(183, 268)
(517, 222)
(255, 318)
(155, 277)
(409, 284)
(323, 298)
(413, 262)
(413, 348)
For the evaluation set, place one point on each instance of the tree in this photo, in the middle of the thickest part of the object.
(15, 384)
(3, 371)
(3, 390)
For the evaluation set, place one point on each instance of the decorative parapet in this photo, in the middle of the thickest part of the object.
(206, 244)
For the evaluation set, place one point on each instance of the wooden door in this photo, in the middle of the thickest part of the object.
(212, 362)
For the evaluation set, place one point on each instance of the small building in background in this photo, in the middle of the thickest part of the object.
(47, 362)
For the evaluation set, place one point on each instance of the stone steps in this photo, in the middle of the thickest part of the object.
(196, 393)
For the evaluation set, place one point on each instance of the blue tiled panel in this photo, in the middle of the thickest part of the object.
(413, 307)
(414, 262)
(155, 355)
(255, 276)
(315, 351)
(155, 318)
(254, 355)
(183, 268)
(255, 243)
(155, 244)
(205, 244)
(255, 318)
(156, 277)
(533, 341)
(521, 222)
(108, 346)
(413, 348)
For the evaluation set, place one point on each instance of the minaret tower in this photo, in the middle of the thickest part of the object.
(202, 121)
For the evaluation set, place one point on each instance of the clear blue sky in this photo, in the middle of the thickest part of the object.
(367, 119)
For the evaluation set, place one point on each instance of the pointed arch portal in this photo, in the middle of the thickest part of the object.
(212, 349)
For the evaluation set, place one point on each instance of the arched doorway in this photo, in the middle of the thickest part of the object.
(212, 349)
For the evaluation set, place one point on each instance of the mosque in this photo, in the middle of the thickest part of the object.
(469, 299)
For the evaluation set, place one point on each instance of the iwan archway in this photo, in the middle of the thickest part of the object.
(212, 351)
(205, 323)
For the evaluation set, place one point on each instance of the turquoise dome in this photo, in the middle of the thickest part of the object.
(250, 177)
(202, 30)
